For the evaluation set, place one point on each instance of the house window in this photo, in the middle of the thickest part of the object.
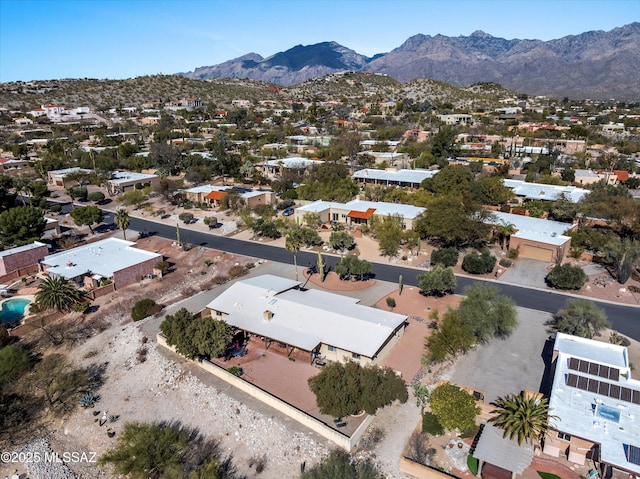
(564, 436)
(218, 313)
(344, 216)
(355, 356)
(331, 349)
(334, 216)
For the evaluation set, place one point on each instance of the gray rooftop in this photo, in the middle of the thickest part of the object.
(305, 319)
(404, 176)
(600, 418)
(20, 249)
(102, 257)
(535, 229)
(127, 176)
(380, 207)
(503, 452)
(537, 191)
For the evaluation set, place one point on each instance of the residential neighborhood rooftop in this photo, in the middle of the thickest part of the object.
(305, 319)
(102, 258)
(538, 191)
(536, 229)
(20, 249)
(404, 175)
(594, 397)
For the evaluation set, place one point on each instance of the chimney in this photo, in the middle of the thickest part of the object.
(267, 315)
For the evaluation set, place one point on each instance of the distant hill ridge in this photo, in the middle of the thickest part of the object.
(595, 64)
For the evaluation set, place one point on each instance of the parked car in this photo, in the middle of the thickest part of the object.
(287, 212)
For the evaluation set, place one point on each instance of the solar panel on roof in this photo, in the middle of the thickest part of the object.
(583, 367)
(636, 397)
(573, 363)
(594, 369)
(603, 388)
(582, 383)
(614, 391)
(593, 385)
(572, 380)
(604, 372)
(614, 373)
(625, 394)
(632, 453)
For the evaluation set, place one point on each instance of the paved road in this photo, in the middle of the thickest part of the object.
(624, 319)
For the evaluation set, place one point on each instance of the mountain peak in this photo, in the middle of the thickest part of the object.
(480, 34)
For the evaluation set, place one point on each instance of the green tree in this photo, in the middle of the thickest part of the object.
(59, 382)
(482, 263)
(350, 266)
(455, 408)
(96, 196)
(523, 417)
(133, 198)
(443, 143)
(204, 337)
(14, 361)
(445, 256)
(437, 282)
(343, 389)
(566, 276)
(22, 225)
(342, 241)
(389, 233)
(122, 220)
(452, 336)
(581, 317)
(58, 293)
(490, 190)
(87, 215)
(143, 308)
(340, 465)
(148, 450)
(451, 221)
(487, 312)
(452, 178)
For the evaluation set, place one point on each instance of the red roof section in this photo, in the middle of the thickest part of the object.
(361, 214)
(216, 195)
(622, 175)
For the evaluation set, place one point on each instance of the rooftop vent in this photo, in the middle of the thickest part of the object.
(267, 315)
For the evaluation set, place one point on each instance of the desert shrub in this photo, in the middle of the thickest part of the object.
(186, 217)
(96, 196)
(445, 256)
(284, 204)
(391, 302)
(431, 425)
(56, 208)
(505, 263)
(513, 253)
(162, 266)
(220, 279)
(79, 193)
(566, 276)
(634, 289)
(82, 307)
(237, 270)
(479, 263)
(235, 370)
(143, 308)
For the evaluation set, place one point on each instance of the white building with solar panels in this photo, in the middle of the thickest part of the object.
(595, 404)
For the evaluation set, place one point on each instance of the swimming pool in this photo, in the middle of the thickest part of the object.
(610, 413)
(13, 310)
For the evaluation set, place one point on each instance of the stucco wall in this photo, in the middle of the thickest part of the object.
(134, 273)
(22, 259)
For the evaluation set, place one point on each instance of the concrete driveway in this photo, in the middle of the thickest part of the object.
(526, 272)
(507, 366)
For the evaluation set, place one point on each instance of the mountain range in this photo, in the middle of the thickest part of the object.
(595, 64)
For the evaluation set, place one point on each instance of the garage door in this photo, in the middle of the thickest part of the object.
(535, 252)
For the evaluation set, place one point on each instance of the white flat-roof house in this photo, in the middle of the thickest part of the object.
(359, 212)
(113, 259)
(59, 177)
(328, 325)
(538, 191)
(392, 177)
(536, 238)
(122, 181)
(595, 404)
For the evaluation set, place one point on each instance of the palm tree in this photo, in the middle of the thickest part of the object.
(293, 243)
(524, 417)
(122, 221)
(56, 292)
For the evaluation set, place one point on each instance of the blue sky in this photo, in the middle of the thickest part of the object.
(50, 39)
